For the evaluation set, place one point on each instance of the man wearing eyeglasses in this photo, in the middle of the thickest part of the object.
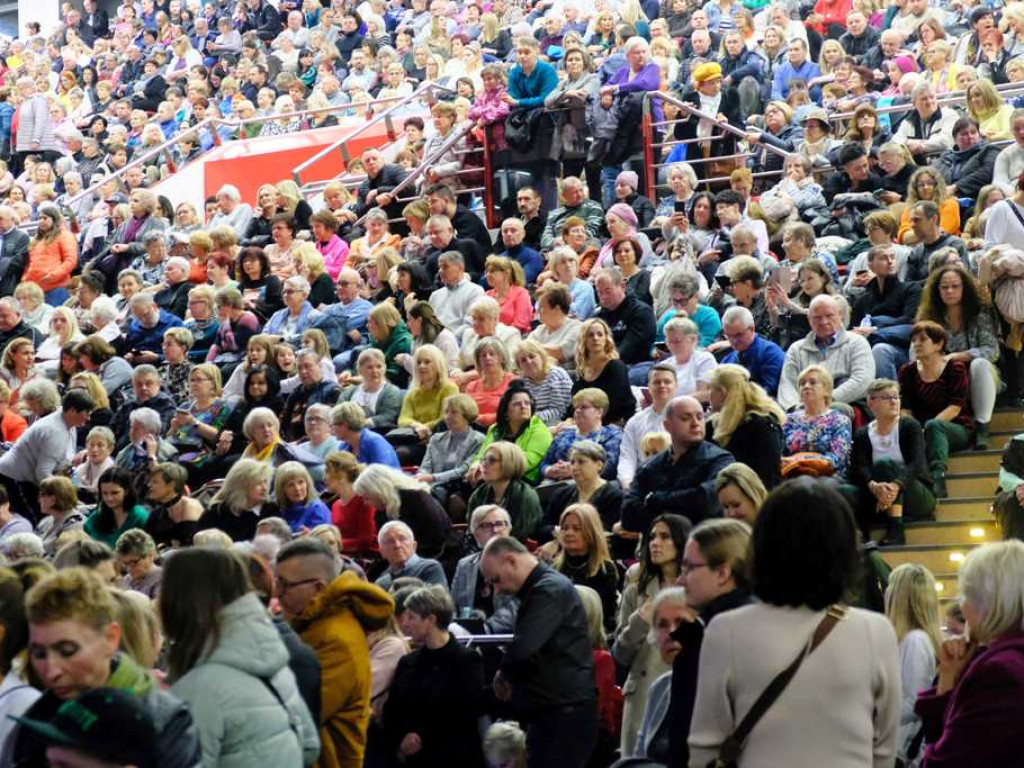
(333, 613)
(472, 595)
(762, 358)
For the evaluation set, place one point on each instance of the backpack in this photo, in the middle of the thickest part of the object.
(846, 218)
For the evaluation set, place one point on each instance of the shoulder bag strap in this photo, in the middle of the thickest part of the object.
(733, 745)
(1016, 211)
(287, 712)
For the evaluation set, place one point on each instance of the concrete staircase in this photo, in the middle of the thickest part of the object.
(964, 520)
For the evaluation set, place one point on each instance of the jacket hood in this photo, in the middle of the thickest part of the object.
(370, 604)
(248, 640)
(129, 676)
(966, 154)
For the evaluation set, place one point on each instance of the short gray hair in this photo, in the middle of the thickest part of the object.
(24, 545)
(146, 418)
(145, 370)
(180, 262)
(102, 311)
(483, 511)
(261, 416)
(395, 525)
(43, 391)
(738, 315)
(231, 192)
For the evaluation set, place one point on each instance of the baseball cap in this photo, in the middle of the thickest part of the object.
(104, 723)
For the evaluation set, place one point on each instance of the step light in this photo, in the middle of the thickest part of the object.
(956, 557)
(977, 533)
(939, 586)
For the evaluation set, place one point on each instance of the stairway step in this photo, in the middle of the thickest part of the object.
(937, 558)
(1007, 420)
(964, 508)
(998, 440)
(975, 461)
(950, 532)
(969, 484)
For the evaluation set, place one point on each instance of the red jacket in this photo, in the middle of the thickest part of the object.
(834, 11)
(50, 263)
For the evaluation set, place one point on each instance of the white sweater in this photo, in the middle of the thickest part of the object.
(841, 709)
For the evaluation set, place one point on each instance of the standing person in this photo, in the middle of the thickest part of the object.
(912, 605)
(435, 699)
(34, 133)
(548, 669)
(333, 613)
(806, 558)
(228, 662)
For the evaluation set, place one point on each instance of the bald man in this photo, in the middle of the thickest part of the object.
(680, 479)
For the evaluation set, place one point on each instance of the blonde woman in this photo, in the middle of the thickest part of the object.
(583, 556)
(740, 492)
(291, 202)
(992, 113)
(746, 421)
(598, 365)
(309, 263)
(17, 366)
(502, 467)
(422, 407)
(817, 428)
(35, 311)
(401, 498)
(297, 499)
(912, 605)
(63, 330)
(927, 184)
(940, 70)
(448, 164)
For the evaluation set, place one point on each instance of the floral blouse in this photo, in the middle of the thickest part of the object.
(830, 434)
(193, 449)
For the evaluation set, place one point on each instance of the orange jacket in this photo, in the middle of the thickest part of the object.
(50, 262)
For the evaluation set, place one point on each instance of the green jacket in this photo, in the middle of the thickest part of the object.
(399, 342)
(534, 441)
(521, 502)
(99, 528)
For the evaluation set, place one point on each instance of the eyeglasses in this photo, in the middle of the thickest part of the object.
(885, 398)
(492, 459)
(498, 525)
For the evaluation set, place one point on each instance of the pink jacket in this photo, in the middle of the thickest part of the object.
(489, 108)
(335, 254)
(516, 308)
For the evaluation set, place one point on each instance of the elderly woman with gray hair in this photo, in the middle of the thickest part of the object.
(472, 595)
(172, 292)
(298, 314)
(128, 243)
(262, 429)
(396, 496)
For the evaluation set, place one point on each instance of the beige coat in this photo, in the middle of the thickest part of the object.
(632, 649)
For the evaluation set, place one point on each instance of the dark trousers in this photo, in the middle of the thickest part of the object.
(563, 737)
(917, 500)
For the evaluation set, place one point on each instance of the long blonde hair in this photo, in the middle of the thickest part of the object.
(911, 602)
(593, 535)
(742, 397)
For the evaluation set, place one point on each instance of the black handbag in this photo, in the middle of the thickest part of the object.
(732, 747)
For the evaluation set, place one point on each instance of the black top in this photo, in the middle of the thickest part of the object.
(576, 567)
(239, 526)
(614, 382)
(321, 290)
(607, 500)
(685, 486)
(438, 695)
(633, 327)
(550, 662)
(758, 442)
(304, 664)
(911, 439)
(427, 518)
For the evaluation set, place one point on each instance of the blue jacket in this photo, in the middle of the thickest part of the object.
(530, 260)
(142, 339)
(374, 449)
(764, 360)
(531, 91)
(747, 64)
(307, 515)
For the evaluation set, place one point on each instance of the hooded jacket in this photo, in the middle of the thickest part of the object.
(177, 736)
(970, 169)
(244, 697)
(335, 625)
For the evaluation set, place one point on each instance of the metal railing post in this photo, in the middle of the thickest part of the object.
(648, 141)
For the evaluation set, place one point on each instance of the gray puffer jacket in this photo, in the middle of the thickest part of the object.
(236, 691)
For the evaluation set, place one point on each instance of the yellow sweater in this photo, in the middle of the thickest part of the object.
(423, 406)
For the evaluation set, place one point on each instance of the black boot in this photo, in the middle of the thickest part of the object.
(894, 535)
(939, 484)
(980, 436)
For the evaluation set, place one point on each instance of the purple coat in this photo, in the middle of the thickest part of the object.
(978, 723)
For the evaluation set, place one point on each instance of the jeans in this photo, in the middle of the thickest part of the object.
(942, 438)
(639, 372)
(888, 360)
(57, 297)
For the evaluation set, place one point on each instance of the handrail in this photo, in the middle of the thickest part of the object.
(383, 116)
(946, 99)
(211, 124)
(425, 164)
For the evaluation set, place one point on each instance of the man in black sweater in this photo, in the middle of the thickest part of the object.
(891, 305)
(441, 234)
(548, 669)
(631, 321)
(858, 38)
(468, 225)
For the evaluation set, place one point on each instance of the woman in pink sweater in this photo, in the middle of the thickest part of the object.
(52, 256)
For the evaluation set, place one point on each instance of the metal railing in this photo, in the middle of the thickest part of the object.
(650, 145)
(212, 123)
(427, 163)
(341, 145)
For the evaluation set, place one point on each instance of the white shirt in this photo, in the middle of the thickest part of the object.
(696, 370)
(646, 421)
(885, 446)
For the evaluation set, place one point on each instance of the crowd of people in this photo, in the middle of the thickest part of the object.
(756, 273)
